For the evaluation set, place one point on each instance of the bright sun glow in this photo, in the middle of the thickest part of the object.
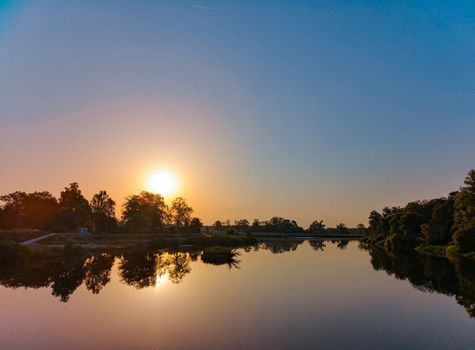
(162, 182)
(161, 280)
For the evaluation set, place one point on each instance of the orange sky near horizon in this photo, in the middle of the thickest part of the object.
(102, 150)
(308, 111)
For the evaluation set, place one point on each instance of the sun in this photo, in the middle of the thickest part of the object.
(163, 182)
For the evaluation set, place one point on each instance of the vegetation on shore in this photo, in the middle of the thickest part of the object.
(144, 213)
(439, 227)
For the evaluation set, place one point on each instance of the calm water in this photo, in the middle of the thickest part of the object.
(307, 298)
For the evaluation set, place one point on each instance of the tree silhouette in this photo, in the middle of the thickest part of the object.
(32, 210)
(145, 213)
(103, 212)
(74, 208)
(317, 227)
(181, 212)
(464, 220)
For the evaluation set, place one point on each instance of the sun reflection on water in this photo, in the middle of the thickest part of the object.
(161, 280)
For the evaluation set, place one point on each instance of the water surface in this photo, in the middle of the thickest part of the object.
(281, 296)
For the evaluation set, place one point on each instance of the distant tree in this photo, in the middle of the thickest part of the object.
(181, 212)
(195, 225)
(145, 213)
(361, 228)
(317, 227)
(103, 212)
(256, 225)
(341, 229)
(281, 225)
(464, 216)
(242, 225)
(218, 225)
(74, 208)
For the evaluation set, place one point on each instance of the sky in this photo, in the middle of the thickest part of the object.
(301, 109)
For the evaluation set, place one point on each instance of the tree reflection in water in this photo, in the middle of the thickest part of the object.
(140, 268)
(278, 246)
(454, 277)
(317, 245)
(98, 271)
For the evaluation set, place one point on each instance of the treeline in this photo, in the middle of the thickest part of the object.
(279, 224)
(142, 213)
(441, 226)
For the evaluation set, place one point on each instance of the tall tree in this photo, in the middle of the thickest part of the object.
(103, 212)
(74, 208)
(181, 212)
(145, 213)
(341, 229)
(464, 216)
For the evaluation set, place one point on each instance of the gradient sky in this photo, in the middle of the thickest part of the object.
(302, 109)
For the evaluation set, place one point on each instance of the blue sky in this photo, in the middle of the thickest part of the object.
(305, 109)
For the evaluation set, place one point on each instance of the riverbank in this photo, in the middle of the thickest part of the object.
(165, 240)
